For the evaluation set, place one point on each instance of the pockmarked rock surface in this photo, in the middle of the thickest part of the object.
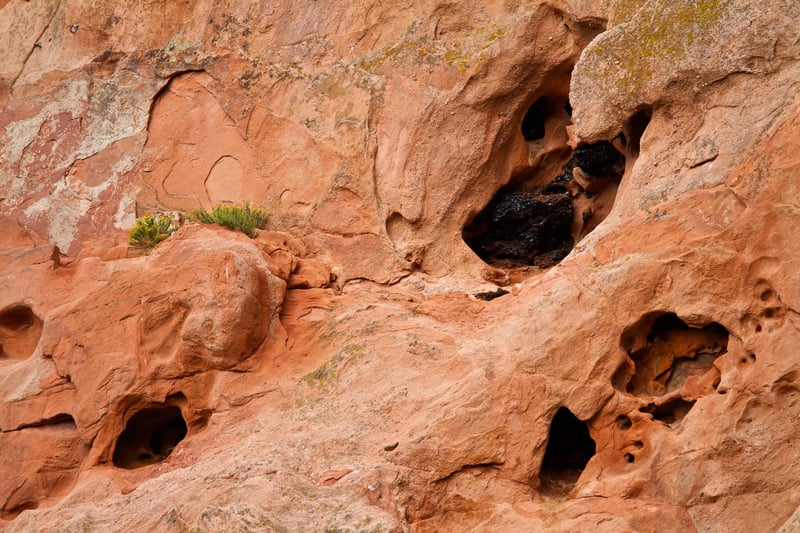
(357, 366)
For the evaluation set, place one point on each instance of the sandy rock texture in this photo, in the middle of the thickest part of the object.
(355, 367)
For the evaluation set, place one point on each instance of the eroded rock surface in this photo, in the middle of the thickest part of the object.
(356, 367)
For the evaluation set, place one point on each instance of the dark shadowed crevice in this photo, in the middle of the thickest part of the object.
(546, 112)
(528, 226)
(569, 449)
(669, 412)
(634, 130)
(10, 514)
(149, 436)
(64, 420)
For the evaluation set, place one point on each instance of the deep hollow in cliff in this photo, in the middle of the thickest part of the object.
(569, 448)
(20, 330)
(561, 196)
(149, 436)
(521, 228)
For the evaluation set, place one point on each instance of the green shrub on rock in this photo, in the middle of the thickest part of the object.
(150, 230)
(244, 218)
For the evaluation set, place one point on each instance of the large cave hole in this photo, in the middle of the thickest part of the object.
(670, 364)
(149, 436)
(521, 228)
(569, 448)
(554, 201)
(20, 331)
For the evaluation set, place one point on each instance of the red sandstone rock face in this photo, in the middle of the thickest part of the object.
(337, 372)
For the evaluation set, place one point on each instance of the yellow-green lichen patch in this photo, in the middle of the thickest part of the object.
(623, 10)
(328, 372)
(465, 53)
(657, 38)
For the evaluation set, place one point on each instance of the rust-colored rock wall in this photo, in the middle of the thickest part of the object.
(355, 366)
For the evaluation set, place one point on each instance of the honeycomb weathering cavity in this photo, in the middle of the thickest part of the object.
(670, 364)
(20, 330)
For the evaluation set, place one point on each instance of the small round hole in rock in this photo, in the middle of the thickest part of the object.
(20, 331)
(149, 436)
(569, 448)
(629, 458)
(624, 422)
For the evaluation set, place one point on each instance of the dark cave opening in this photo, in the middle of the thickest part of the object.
(149, 436)
(569, 449)
(520, 228)
(556, 193)
(529, 225)
(546, 111)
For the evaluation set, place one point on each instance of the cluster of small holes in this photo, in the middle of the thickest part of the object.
(624, 423)
(768, 307)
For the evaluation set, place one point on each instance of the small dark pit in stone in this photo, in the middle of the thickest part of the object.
(491, 295)
(629, 458)
(624, 422)
(633, 131)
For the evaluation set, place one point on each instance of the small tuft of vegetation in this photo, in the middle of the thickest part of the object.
(150, 230)
(244, 218)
